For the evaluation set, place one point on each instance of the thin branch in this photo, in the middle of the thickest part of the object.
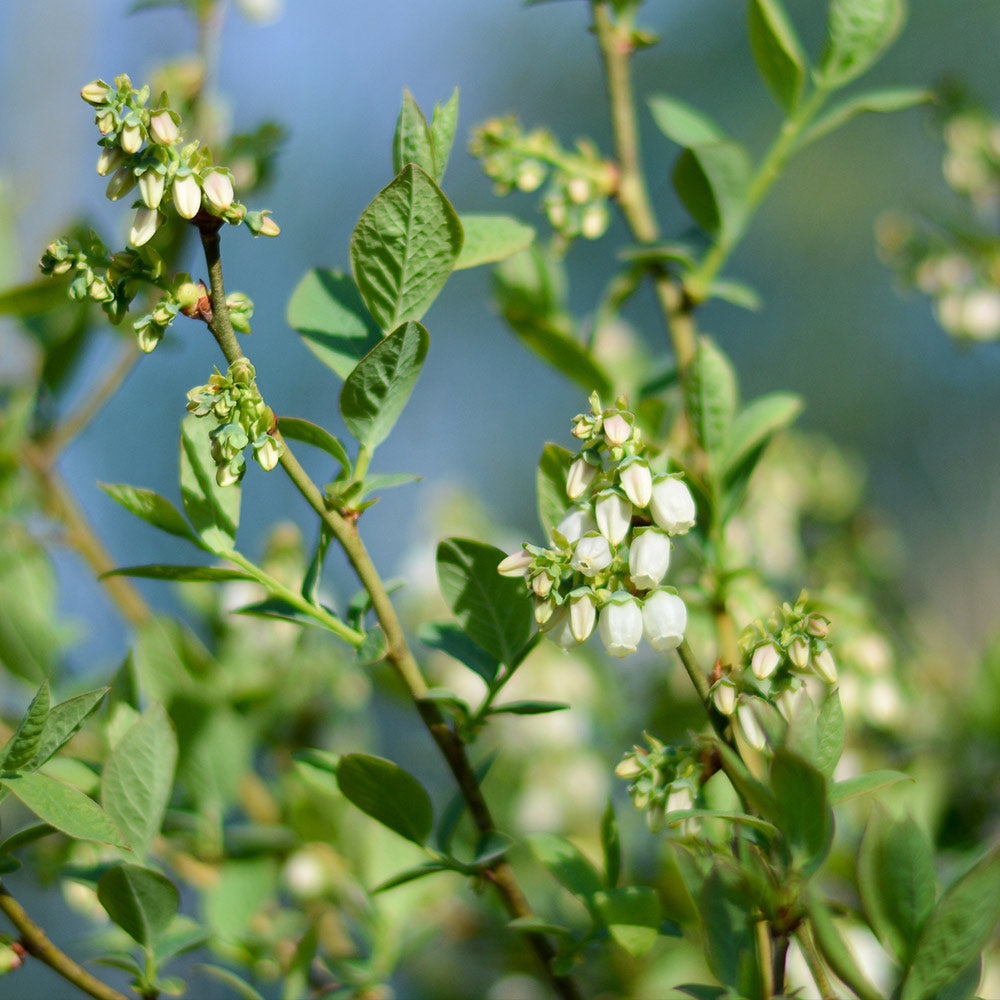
(37, 944)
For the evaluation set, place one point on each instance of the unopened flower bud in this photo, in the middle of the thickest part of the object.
(750, 727)
(591, 555)
(162, 128)
(232, 472)
(217, 189)
(576, 522)
(798, 652)
(268, 453)
(629, 767)
(108, 159)
(724, 694)
(187, 195)
(516, 564)
(818, 626)
(131, 137)
(541, 584)
(105, 123)
(582, 614)
(530, 175)
(147, 334)
(542, 612)
(580, 476)
(268, 227)
(578, 190)
(95, 93)
(100, 291)
(151, 184)
(648, 558)
(664, 620)
(620, 624)
(121, 182)
(672, 505)
(594, 222)
(144, 226)
(637, 482)
(614, 516)
(764, 660)
(617, 430)
(824, 665)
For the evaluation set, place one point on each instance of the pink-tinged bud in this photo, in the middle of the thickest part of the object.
(724, 694)
(824, 665)
(798, 652)
(591, 555)
(266, 226)
(516, 564)
(629, 767)
(617, 430)
(648, 558)
(162, 128)
(580, 476)
(637, 482)
(108, 160)
(672, 505)
(664, 619)
(576, 522)
(130, 138)
(144, 226)
(541, 584)
(187, 195)
(105, 123)
(582, 615)
(818, 625)
(764, 660)
(217, 189)
(620, 624)
(614, 516)
(120, 183)
(95, 93)
(151, 183)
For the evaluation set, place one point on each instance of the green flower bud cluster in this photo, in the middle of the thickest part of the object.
(235, 402)
(12, 954)
(778, 657)
(610, 551)
(662, 780)
(957, 265)
(579, 181)
(143, 146)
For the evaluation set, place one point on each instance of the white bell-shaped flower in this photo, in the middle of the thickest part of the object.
(672, 505)
(614, 515)
(591, 555)
(648, 558)
(617, 430)
(824, 665)
(765, 660)
(582, 614)
(187, 195)
(576, 522)
(637, 482)
(144, 226)
(664, 619)
(580, 476)
(620, 624)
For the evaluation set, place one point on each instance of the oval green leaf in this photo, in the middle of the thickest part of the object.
(387, 793)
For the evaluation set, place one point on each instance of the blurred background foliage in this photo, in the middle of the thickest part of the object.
(906, 507)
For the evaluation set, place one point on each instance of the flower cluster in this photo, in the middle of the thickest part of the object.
(779, 656)
(662, 780)
(580, 181)
(142, 146)
(235, 401)
(611, 550)
(958, 266)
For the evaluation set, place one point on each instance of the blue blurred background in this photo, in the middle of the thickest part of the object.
(877, 374)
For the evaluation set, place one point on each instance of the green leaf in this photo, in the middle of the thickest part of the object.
(494, 611)
(807, 819)
(857, 33)
(730, 946)
(242, 888)
(411, 142)
(958, 928)
(632, 916)
(329, 315)
(550, 485)
(138, 777)
(385, 481)
(571, 869)
(152, 508)
(296, 429)
(411, 875)
(403, 248)
(213, 510)
(374, 394)
(877, 101)
(490, 847)
(279, 609)
(140, 901)
(446, 637)
(189, 574)
(64, 807)
(528, 707)
(736, 293)
(444, 119)
(557, 347)
(836, 952)
(241, 986)
(777, 51)
(387, 793)
(711, 180)
(27, 738)
(32, 299)
(535, 925)
(611, 846)
(850, 788)
(24, 837)
(751, 430)
(829, 734)
(710, 400)
(64, 720)
(491, 238)
(682, 123)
